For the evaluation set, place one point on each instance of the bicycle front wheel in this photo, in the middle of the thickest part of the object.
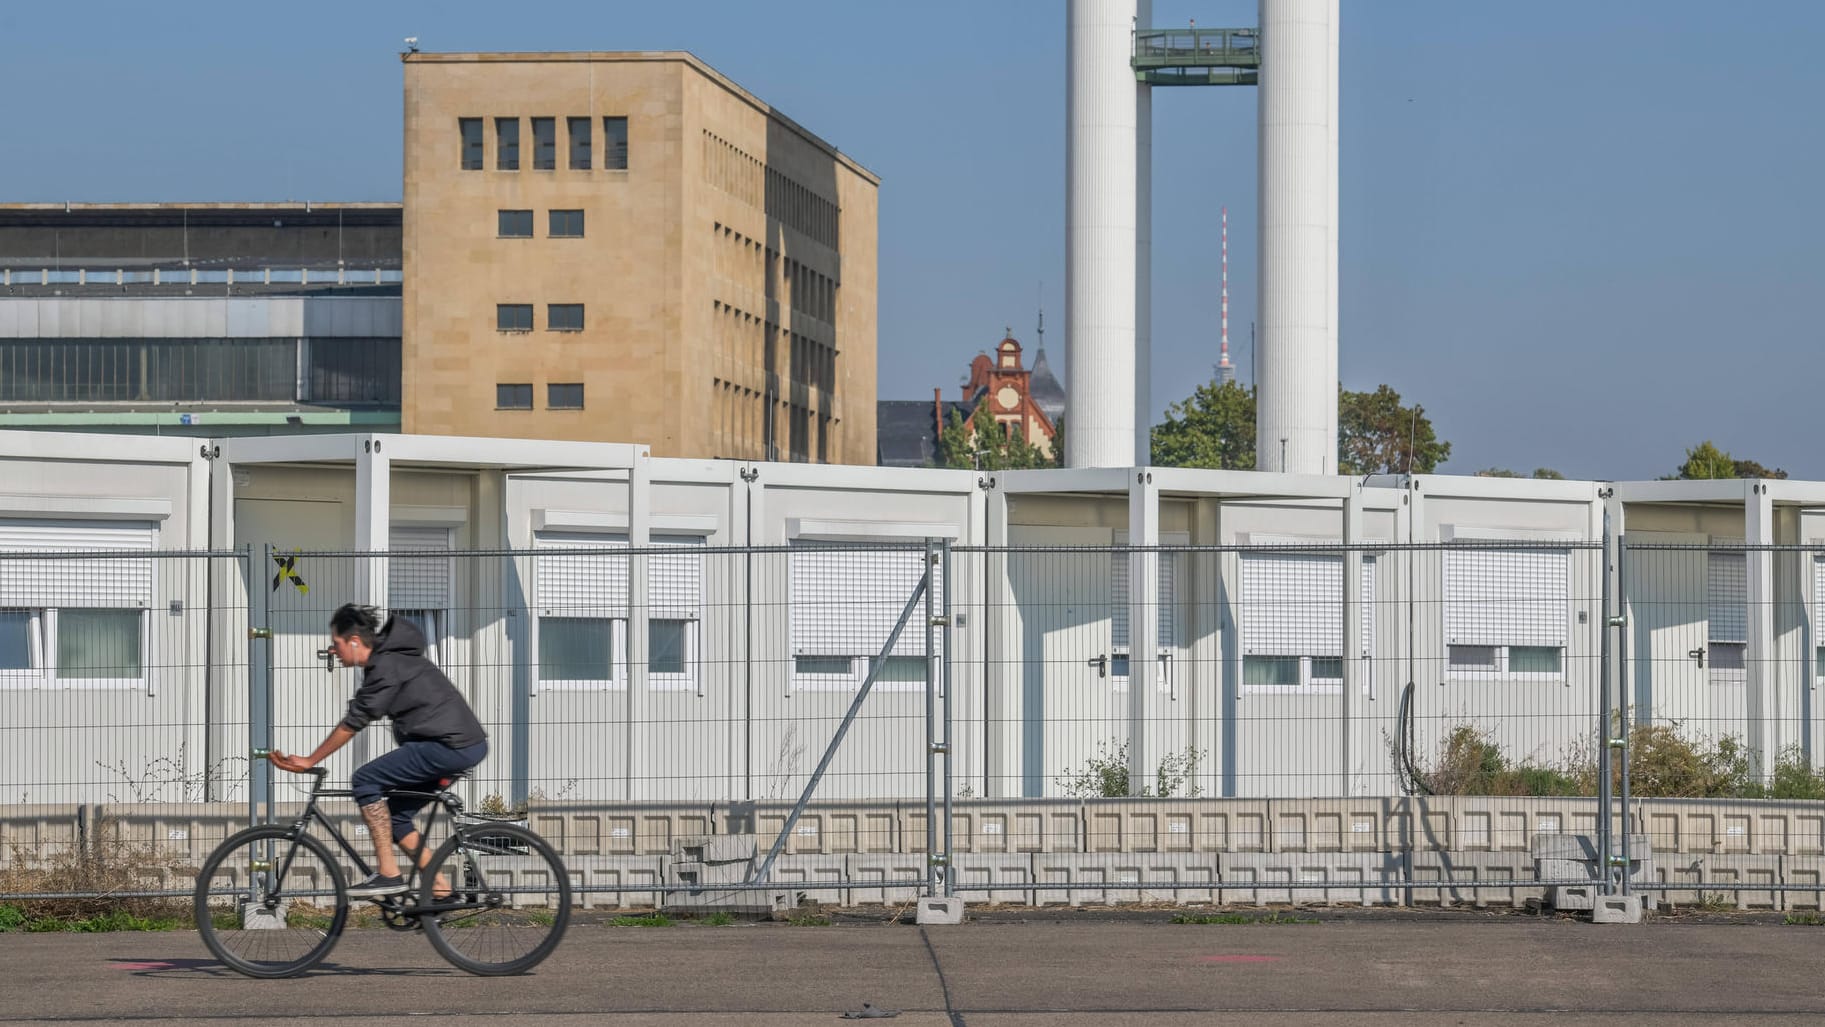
(270, 903)
(508, 900)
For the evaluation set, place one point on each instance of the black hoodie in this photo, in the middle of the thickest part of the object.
(402, 685)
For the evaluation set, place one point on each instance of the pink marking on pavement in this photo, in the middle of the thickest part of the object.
(1238, 959)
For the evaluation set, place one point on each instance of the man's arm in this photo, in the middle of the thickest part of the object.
(338, 737)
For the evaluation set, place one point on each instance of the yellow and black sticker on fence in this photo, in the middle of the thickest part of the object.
(288, 571)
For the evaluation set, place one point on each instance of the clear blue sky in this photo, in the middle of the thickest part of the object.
(1583, 235)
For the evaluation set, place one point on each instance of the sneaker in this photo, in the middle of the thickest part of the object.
(376, 886)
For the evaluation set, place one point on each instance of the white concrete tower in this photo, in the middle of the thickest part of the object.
(1101, 243)
(1296, 421)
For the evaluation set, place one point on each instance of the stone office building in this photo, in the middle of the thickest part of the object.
(631, 247)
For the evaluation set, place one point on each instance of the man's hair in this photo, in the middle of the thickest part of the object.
(362, 622)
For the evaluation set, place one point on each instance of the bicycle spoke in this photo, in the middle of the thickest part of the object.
(269, 906)
(516, 901)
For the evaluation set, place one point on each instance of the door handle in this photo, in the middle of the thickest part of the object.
(1101, 663)
(1699, 655)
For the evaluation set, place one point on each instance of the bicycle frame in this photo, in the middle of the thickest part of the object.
(390, 903)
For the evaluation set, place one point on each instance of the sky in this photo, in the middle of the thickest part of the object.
(1583, 236)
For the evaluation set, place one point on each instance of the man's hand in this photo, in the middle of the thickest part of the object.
(294, 764)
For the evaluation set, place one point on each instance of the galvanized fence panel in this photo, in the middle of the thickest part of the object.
(1374, 723)
(123, 715)
(1721, 724)
(676, 718)
(1233, 722)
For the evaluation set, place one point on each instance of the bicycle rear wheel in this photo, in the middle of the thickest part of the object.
(509, 901)
(270, 903)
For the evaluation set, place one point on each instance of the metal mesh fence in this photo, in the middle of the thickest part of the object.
(642, 700)
(1208, 721)
(1403, 723)
(123, 713)
(1722, 764)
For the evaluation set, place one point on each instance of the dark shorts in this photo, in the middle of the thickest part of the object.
(416, 766)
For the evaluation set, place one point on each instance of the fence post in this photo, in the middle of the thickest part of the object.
(934, 860)
(1621, 741)
(945, 648)
(259, 680)
(1612, 564)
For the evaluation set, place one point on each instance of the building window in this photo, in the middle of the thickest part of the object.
(564, 317)
(514, 396)
(1293, 637)
(566, 224)
(844, 602)
(1507, 612)
(578, 652)
(75, 622)
(419, 575)
(580, 585)
(516, 224)
(1471, 660)
(579, 144)
(564, 396)
(1727, 610)
(544, 144)
(507, 144)
(614, 144)
(472, 143)
(513, 317)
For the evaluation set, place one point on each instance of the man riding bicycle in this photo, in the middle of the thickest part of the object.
(438, 734)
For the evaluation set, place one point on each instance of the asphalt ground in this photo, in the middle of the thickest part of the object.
(1000, 969)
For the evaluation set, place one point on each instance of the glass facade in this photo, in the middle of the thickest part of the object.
(331, 371)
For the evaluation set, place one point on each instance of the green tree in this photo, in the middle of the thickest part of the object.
(1377, 435)
(1539, 474)
(981, 443)
(1214, 427)
(1705, 461)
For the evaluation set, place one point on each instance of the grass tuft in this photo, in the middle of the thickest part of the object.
(649, 920)
(1240, 918)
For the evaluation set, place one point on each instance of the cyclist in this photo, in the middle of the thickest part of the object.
(437, 732)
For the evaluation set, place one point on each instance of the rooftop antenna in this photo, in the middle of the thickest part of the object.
(1225, 373)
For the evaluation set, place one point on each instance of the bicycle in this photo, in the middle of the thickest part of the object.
(271, 900)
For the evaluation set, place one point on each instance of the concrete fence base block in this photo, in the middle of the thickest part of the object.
(939, 909)
(1616, 909)
(256, 917)
(1577, 896)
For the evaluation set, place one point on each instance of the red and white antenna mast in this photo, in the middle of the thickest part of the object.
(1225, 373)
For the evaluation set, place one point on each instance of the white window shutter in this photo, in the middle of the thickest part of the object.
(845, 600)
(1497, 596)
(1292, 604)
(568, 583)
(675, 581)
(103, 582)
(1167, 594)
(418, 582)
(1727, 593)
